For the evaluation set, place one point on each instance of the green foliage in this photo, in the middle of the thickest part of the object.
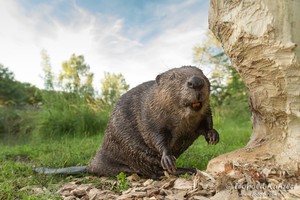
(6, 74)
(112, 87)
(76, 77)
(70, 114)
(15, 93)
(9, 122)
(16, 123)
(122, 183)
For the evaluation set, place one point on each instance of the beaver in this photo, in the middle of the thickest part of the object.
(152, 125)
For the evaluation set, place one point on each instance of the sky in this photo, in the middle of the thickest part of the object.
(137, 38)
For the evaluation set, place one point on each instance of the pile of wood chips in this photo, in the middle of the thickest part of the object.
(238, 181)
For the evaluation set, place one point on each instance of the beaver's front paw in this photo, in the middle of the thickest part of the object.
(168, 162)
(212, 137)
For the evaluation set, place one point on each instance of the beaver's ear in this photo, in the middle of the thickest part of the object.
(157, 79)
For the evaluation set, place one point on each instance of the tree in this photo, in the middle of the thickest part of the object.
(15, 93)
(76, 77)
(47, 69)
(113, 86)
(260, 37)
(8, 92)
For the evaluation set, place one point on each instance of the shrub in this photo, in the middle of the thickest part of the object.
(16, 124)
(70, 114)
(9, 122)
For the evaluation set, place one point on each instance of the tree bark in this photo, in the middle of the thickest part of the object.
(261, 37)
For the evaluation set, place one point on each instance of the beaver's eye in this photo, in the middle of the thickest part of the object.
(190, 85)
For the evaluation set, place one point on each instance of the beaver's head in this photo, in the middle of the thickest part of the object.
(184, 88)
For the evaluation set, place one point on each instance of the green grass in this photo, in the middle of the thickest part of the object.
(18, 158)
(18, 161)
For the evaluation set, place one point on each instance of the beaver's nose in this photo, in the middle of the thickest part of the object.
(195, 82)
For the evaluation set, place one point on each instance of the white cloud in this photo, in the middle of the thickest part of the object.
(100, 39)
(16, 32)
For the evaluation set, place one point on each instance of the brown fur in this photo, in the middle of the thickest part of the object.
(154, 123)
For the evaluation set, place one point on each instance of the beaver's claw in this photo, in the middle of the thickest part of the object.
(212, 137)
(168, 162)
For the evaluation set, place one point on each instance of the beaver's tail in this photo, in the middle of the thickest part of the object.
(67, 170)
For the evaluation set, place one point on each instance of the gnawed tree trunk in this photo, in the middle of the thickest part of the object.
(261, 38)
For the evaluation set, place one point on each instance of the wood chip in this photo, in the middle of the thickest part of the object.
(295, 191)
(183, 184)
